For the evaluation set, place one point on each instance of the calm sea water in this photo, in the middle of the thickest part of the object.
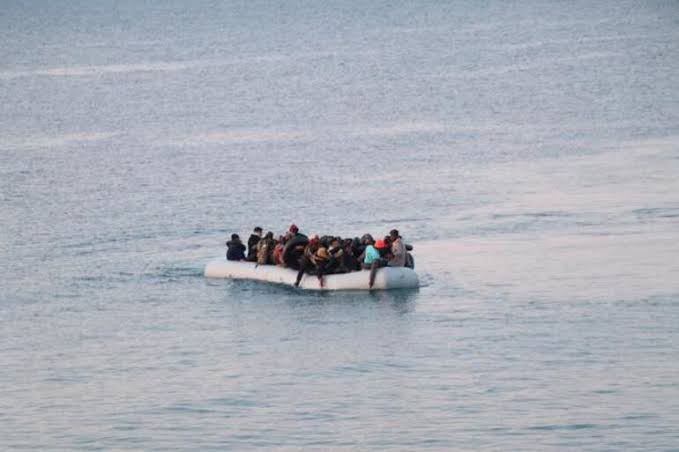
(529, 151)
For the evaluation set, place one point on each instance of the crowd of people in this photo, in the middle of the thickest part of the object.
(321, 255)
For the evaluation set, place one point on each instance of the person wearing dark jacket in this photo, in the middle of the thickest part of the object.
(235, 250)
(255, 237)
(350, 263)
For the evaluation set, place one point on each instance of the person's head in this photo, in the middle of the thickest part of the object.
(394, 234)
(335, 243)
(387, 240)
(269, 235)
(379, 244)
(282, 239)
(367, 239)
(234, 237)
(293, 229)
(258, 231)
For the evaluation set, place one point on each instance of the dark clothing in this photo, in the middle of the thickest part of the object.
(252, 247)
(357, 247)
(410, 261)
(305, 266)
(235, 251)
(335, 263)
(349, 262)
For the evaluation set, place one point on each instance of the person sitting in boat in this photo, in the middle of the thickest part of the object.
(372, 260)
(385, 251)
(278, 251)
(321, 260)
(293, 231)
(294, 247)
(336, 257)
(357, 249)
(366, 240)
(306, 262)
(398, 250)
(235, 250)
(328, 260)
(265, 249)
(350, 262)
(254, 239)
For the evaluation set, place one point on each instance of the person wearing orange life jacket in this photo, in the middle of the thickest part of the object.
(278, 251)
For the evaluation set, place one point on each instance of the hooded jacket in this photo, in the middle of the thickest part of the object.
(235, 250)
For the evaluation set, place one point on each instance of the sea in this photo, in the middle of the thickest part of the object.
(528, 150)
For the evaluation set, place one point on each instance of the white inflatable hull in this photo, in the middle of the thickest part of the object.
(386, 278)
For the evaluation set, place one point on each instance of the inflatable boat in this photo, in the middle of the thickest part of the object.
(386, 278)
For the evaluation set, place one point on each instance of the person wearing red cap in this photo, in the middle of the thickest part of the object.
(293, 231)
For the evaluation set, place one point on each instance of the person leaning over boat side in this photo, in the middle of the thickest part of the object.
(321, 258)
(372, 260)
(235, 249)
(306, 262)
(254, 239)
(398, 250)
(328, 260)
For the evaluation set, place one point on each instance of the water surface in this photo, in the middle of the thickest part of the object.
(529, 151)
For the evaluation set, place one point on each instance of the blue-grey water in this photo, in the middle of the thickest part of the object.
(529, 150)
